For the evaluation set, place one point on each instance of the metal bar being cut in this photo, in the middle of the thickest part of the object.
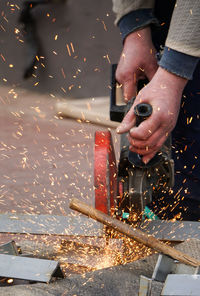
(131, 232)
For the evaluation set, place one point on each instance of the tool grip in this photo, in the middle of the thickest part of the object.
(142, 111)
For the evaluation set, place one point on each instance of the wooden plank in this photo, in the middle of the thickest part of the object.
(94, 110)
(136, 234)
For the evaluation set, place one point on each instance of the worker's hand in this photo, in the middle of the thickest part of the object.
(164, 93)
(137, 61)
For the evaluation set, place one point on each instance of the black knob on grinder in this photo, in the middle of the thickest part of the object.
(142, 112)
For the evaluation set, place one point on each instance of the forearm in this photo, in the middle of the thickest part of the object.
(182, 50)
(175, 59)
(184, 31)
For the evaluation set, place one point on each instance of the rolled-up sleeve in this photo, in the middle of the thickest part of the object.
(123, 7)
(178, 63)
(182, 47)
(136, 20)
(184, 31)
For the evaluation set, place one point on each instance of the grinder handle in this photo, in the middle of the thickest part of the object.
(142, 111)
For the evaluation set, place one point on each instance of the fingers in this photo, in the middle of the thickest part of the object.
(147, 128)
(146, 158)
(129, 89)
(149, 152)
(127, 123)
(153, 143)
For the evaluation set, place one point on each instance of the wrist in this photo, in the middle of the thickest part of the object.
(168, 79)
(142, 35)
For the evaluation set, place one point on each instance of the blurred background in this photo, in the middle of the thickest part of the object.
(51, 51)
(77, 43)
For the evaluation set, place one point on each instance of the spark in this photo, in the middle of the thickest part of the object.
(107, 57)
(3, 28)
(63, 90)
(68, 49)
(72, 47)
(10, 281)
(63, 73)
(17, 31)
(104, 25)
(71, 86)
(3, 57)
(189, 120)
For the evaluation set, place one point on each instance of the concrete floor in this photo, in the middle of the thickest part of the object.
(45, 160)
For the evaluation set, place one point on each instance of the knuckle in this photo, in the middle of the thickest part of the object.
(123, 76)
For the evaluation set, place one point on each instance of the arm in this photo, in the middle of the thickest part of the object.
(164, 93)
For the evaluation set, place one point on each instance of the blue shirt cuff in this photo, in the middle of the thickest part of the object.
(178, 63)
(135, 20)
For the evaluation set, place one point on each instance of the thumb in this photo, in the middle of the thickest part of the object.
(127, 123)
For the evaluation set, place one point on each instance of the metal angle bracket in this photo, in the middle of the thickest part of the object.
(9, 248)
(181, 285)
(145, 286)
(166, 265)
(31, 269)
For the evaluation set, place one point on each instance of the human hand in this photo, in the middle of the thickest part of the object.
(164, 94)
(137, 61)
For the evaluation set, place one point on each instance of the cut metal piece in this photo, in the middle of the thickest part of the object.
(180, 268)
(48, 224)
(172, 231)
(164, 266)
(181, 285)
(32, 269)
(145, 286)
(9, 248)
(105, 173)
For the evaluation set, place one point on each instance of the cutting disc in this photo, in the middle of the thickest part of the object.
(105, 173)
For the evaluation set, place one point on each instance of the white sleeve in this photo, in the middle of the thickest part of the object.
(184, 31)
(122, 7)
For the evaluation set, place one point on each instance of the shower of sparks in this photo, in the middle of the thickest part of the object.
(49, 176)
